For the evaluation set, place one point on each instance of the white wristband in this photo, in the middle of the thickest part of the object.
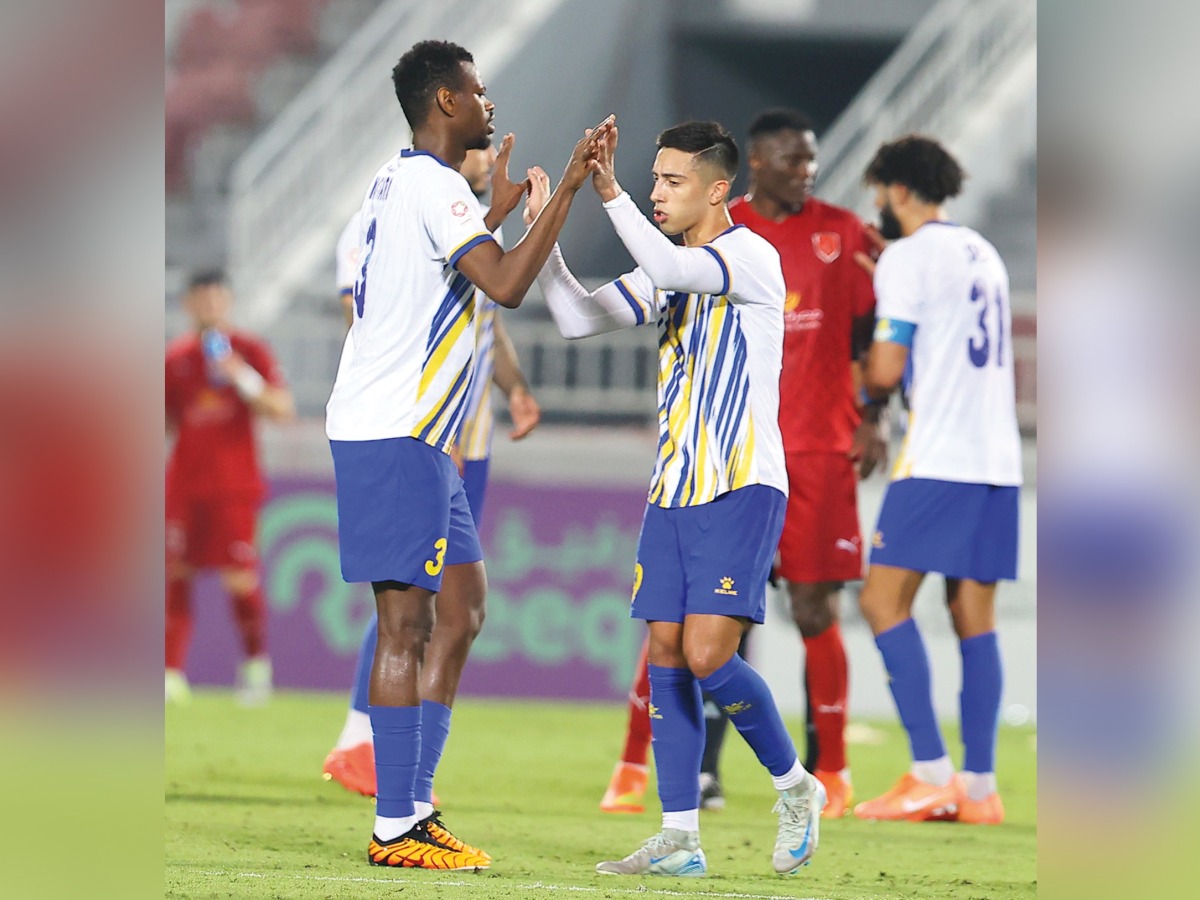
(249, 384)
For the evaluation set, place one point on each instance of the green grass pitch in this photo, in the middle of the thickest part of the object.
(248, 815)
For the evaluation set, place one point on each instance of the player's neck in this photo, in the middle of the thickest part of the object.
(768, 207)
(443, 146)
(922, 215)
(714, 224)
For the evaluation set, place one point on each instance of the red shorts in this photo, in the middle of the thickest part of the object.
(212, 533)
(821, 540)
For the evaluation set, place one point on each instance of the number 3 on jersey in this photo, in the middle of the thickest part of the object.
(434, 566)
(360, 283)
(979, 345)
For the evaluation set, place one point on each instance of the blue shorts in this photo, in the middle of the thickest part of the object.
(957, 529)
(711, 559)
(475, 475)
(402, 512)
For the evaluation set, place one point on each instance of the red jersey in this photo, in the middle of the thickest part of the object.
(826, 291)
(215, 454)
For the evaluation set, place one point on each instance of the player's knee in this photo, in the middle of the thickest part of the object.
(703, 661)
(409, 630)
(240, 582)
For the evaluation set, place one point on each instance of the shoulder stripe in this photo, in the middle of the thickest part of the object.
(724, 268)
(469, 244)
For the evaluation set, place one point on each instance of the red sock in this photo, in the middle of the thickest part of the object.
(637, 738)
(179, 621)
(828, 683)
(250, 611)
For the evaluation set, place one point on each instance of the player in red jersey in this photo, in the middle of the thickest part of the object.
(217, 381)
(828, 319)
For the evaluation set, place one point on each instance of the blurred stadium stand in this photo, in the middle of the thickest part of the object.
(278, 111)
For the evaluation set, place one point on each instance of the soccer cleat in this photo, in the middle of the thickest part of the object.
(670, 852)
(626, 789)
(177, 688)
(417, 850)
(353, 768)
(799, 810)
(437, 830)
(912, 800)
(839, 792)
(254, 682)
(711, 795)
(988, 811)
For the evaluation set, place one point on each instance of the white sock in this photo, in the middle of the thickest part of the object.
(980, 785)
(423, 810)
(387, 829)
(684, 820)
(791, 778)
(934, 771)
(357, 730)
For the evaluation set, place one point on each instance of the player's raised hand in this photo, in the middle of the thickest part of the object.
(539, 194)
(878, 245)
(604, 176)
(579, 165)
(505, 193)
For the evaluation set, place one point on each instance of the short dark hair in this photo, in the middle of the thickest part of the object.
(773, 121)
(203, 278)
(427, 66)
(919, 163)
(708, 140)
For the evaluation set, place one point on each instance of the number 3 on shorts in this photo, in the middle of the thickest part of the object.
(637, 581)
(434, 566)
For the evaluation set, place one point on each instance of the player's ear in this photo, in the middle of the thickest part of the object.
(445, 100)
(718, 193)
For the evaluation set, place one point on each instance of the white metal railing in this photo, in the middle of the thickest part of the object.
(957, 53)
(295, 186)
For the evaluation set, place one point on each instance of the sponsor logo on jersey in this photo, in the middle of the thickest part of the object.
(726, 588)
(791, 301)
(458, 209)
(827, 245)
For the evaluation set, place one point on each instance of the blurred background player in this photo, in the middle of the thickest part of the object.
(951, 508)
(828, 315)
(394, 416)
(217, 381)
(719, 488)
(352, 761)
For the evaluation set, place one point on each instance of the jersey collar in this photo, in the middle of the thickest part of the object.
(407, 153)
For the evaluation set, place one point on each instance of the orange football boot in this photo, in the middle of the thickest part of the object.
(626, 789)
(912, 800)
(839, 792)
(353, 768)
(417, 850)
(988, 811)
(436, 829)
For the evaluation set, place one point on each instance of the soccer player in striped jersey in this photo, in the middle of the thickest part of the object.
(717, 496)
(945, 328)
(352, 760)
(396, 409)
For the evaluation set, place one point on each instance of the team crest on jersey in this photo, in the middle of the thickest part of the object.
(827, 245)
(458, 209)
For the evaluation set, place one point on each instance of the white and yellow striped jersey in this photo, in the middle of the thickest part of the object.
(475, 435)
(719, 312)
(408, 361)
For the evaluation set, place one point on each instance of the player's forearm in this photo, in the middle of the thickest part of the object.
(520, 266)
(274, 403)
(495, 218)
(347, 301)
(578, 312)
(671, 268)
(506, 372)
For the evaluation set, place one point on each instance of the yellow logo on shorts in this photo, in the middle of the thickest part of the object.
(637, 581)
(652, 711)
(877, 541)
(433, 567)
(726, 588)
(734, 708)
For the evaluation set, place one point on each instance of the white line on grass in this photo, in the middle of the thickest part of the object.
(538, 885)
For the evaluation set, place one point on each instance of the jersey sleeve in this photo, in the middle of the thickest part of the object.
(452, 218)
(862, 292)
(898, 285)
(346, 268)
(752, 267)
(638, 291)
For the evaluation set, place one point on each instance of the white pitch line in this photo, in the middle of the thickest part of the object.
(538, 885)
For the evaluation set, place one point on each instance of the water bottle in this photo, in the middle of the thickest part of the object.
(216, 347)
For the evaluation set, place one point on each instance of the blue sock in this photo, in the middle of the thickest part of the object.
(907, 664)
(979, 702)
(677, 723)
(397, 750)
(366, 660)
(745, 697)
(435, 728)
